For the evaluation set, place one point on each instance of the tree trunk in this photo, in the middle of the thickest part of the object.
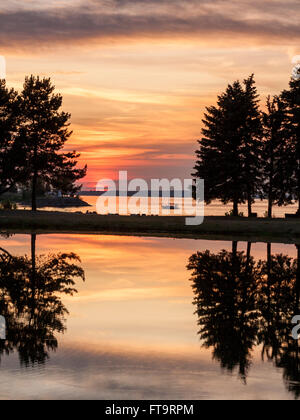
(269, 283)
(270, 198)
(33, 276)
(34, 180)
(249, 244)
(33, 200)
(269, 252)
(249, 206)
(269, 261)
(235, 209)
(234, 248)
(33, 258)
(270, 206)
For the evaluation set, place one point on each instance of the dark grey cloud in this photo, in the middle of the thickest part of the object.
(113, 19)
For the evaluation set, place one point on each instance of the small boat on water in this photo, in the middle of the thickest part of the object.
(170, 207)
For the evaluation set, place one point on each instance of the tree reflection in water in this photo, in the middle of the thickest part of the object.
(241, 303)
(30, 290)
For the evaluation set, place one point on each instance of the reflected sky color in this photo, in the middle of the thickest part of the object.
(133, 319)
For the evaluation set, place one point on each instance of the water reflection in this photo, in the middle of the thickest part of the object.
(242, 303)
(30, 289)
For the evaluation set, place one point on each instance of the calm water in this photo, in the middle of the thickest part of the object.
(216, 208)
(142, 325)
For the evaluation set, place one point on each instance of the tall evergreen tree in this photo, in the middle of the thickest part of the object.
(12, 168)
(229, 153)
(275, 154)
(291, 100)
(251, 141)
(44, 131)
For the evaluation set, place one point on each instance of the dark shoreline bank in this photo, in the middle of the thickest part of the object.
(57, 202)
(215, 228)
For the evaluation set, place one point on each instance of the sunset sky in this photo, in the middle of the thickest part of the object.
(136, 75)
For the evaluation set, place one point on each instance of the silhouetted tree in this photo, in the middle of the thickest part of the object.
(275, 300)
(64, 182)
(12, 168)
(44, 130)
(30, 290)
(225, 287)
(229, 155)
(241, 304)
(278, 302)
(276, 169)
(291, 100)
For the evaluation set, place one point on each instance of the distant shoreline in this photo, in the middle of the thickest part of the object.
(215, 228)
(57, 202)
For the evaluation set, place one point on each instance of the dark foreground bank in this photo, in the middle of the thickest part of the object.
(264, 230)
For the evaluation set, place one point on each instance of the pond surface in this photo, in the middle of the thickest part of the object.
(143, 325)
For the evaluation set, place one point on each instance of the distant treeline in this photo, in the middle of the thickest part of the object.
(246, 152)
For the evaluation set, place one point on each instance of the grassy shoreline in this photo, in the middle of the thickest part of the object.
(217, 228)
